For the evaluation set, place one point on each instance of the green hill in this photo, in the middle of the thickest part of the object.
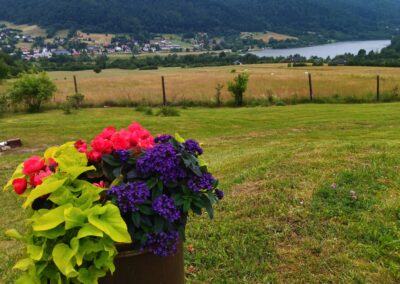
(341, 19)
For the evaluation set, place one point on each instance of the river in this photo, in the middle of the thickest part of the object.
(325, 50)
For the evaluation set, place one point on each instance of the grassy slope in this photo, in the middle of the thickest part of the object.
(281, 221)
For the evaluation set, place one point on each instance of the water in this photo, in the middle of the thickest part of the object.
(332, 49)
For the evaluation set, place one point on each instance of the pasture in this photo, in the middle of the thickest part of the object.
(198, 84)
(312, 191)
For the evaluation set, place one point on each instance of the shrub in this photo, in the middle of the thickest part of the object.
(3, 104)
(67, 108)
(167, 111)
(32, 90)
(4, 70)
(238, 87)
(218, 91)
(76, 100)
(97, 69)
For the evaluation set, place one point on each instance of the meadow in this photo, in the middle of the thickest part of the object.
(312, 191)
(197, 85)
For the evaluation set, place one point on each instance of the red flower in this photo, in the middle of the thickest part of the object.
(81, 146)
(108, 132)
(37, 179)
(100, 184)
(102, 145)
(33, 165)
(19, 185)
(134, 139)
(134, 127)
(94, 156)
(121, 140)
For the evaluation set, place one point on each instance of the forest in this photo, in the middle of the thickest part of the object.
(340, 20)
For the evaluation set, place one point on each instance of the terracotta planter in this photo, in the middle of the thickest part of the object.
(145, 268)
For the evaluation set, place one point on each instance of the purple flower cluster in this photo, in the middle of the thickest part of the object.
(193, 147)
(162, 138)
(219, 193)
(165, 207)
(122, 155)
(130, 195)
(206, 181)
(162, 160)
(162, 244)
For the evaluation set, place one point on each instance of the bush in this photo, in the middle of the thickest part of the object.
(4, 70)
(168, 111)
(218, 91)
(238, 87)
(67, 108)
(76, 100)
(97, 69)
(32, 90)
(3, 104)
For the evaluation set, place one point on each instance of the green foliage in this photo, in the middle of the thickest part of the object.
(3, 104)
(76, 100)
(32, 90)
(4, 70)
(73, 240)
(218, 91)
(238, 87)
(167, 111)
(97, 69)
(334, 19)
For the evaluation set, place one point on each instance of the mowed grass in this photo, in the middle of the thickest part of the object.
(312, 191)
(198, 84)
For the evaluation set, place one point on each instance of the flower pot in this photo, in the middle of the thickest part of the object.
(146, 268)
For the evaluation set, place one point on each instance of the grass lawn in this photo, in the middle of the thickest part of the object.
(282, 220)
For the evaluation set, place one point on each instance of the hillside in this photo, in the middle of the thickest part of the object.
(335, 19)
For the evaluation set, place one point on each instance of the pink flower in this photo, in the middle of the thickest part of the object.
(108, 132)
(81, 146)
(102, 145)
(33, 165)
(134, 127)
(100, 184)
(121, 140)
(37, 179)
(94, 156)
(19, 185)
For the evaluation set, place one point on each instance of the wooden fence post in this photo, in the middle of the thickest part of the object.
(163, 90)
(75, 85)
(310, 85)
(378, 88)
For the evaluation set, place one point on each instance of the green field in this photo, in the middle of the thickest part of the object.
(281, 220)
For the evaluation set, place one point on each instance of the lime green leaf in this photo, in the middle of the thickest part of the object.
(63, 257)
(75, 172)
(179, 138)
(62, 196)
(68, 156)
(90, 276)
(202, 162)
(51, 234)
(89, 230)
(50, 219)
(27, 279)
(14, 234)
(49, 185)
(109, 220)
(74, 217)
(50, 152)
(35, 252)
(104, 261)
(17, 174)
(24, 264)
